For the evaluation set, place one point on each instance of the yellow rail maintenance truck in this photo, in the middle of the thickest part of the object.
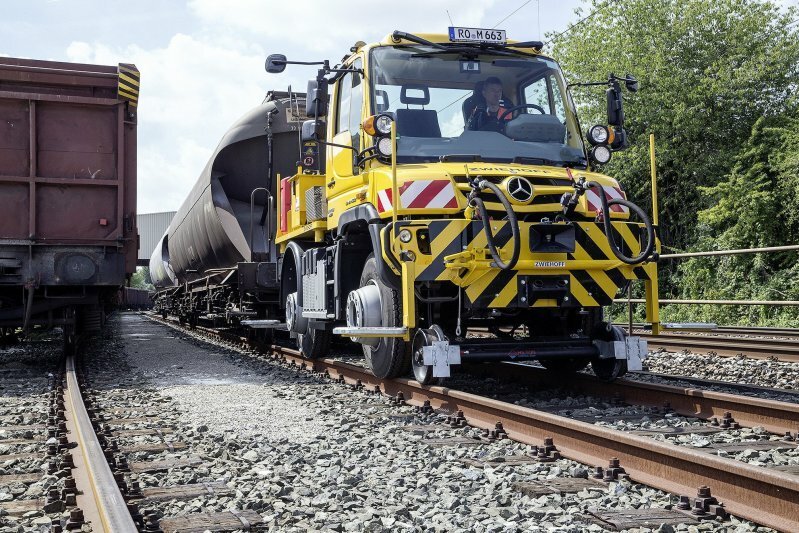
(444, 208)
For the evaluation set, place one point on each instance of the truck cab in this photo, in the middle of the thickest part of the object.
(447, 208)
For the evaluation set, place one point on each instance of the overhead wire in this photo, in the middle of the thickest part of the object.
(511, 14)
(571, 27)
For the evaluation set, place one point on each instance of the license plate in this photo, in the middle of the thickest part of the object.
(476, 35)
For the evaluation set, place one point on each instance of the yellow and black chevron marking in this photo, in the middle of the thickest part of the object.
(591, 244)
(128, 86)
(449, 237)
(496, 288)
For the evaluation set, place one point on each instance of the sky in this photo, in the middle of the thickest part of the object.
(202, 61)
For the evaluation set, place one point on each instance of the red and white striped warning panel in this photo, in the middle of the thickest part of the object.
(595, 202)
(420, 194)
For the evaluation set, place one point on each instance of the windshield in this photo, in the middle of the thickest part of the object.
(475, 107)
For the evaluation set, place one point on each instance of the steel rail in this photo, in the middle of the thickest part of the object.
(711, 329)
(774, 416)
(764, 496)
(782, 349)
(111, 507)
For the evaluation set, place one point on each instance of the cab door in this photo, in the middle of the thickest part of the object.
(344, 173)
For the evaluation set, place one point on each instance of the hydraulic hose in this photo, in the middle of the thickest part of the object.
(650, 230)
(512, 220)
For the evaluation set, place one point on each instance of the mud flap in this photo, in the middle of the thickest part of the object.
(441, 355)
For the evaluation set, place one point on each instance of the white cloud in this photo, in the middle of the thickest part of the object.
(191, 92)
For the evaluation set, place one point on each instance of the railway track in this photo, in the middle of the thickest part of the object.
(782, 349)
(86, 491)
(769, 497)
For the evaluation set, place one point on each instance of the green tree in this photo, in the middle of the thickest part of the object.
(716, 85)
(755, 206)
(141, 279)
(708, 72)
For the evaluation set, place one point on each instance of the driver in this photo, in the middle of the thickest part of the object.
(486, 118)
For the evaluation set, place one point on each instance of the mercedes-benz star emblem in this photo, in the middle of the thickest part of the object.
(520, 189)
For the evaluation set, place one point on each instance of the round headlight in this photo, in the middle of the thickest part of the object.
(384, 147)
(383, 124)
(598, 134)
(405, 236)
(600, 154)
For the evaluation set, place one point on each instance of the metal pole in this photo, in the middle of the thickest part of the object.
(716, 302)
(786, 248)
(630, 308)
(394, 191)
(651, 285)
(654, 179)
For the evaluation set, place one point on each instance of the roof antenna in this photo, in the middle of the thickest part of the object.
(450, 17)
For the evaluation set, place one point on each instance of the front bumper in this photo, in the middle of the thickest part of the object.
(560, 264)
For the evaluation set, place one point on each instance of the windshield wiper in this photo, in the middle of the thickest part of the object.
(471, 52)
(525, 160)
(397, 35)
(460, 158)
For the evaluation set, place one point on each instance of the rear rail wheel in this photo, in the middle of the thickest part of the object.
(314, 343)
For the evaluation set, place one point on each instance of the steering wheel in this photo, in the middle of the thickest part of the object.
(522, 106)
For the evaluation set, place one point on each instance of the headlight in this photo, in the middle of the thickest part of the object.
(600, 154)
(405, 236)
(384, 147)
(378, 124)
(383, 124)
(600, 135)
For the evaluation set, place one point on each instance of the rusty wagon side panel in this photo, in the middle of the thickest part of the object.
(68, 235)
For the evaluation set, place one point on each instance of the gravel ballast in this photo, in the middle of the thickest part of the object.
(738, 369)
(309, 454)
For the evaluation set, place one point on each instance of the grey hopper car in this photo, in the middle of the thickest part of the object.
(212, 228)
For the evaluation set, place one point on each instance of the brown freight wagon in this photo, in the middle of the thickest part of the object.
(68, 236)
(132, 298)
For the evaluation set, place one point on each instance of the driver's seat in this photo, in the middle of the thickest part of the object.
(472, 102)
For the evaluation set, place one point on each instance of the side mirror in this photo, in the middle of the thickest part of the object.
(275, 63)
(312, 130)
(615, 106)
(316, 98)
(631, 83)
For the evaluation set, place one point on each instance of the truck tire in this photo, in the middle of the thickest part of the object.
(392, 356)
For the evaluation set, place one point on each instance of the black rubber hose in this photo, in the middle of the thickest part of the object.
(514, 226)
(650, 230)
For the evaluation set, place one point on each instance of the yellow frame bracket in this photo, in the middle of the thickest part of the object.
(651, 285)
(408, 297)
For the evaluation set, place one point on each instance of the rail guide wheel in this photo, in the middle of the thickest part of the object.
(425, 337)
(610, 369)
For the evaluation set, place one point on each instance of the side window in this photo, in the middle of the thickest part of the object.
(536, 93)
(344, 97)
(356, 106)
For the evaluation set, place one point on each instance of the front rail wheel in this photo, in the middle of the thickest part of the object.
(610, 369)
(425, 337)
(387, 357)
